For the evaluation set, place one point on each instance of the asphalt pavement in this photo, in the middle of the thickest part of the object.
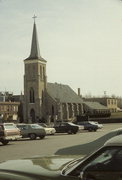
(59, 144)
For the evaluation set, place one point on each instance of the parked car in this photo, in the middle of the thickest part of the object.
(67, 127)
(104, 164)
(100, 126)
(89, 125)
(49, 130)
(8, 132)
(32, 131)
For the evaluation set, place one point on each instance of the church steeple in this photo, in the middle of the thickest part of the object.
(35, 82)
(35, 50)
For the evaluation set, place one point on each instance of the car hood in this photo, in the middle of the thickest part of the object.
(34, 167)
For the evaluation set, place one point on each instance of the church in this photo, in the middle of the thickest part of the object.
(45, 101)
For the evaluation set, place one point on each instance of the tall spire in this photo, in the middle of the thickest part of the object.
(35, 51)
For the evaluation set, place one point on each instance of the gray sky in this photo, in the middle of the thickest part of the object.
(80, 39)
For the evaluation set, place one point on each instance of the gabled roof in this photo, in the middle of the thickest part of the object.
(63, 93)
(95, 105)
(35, 51)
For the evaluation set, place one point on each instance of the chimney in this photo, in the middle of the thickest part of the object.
(79, 92)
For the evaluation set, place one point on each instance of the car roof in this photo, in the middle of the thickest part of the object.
(115, 141)
(27, 124)
(5, 123)
(118, 129)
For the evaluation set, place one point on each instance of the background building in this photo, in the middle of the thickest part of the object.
(110, 103)
(8, 107)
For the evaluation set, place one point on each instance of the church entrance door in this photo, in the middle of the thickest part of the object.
(32, 115)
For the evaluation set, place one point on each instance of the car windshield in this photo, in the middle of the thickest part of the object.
(109, 159)
(72, 124)
(92, 123)
(43, 125)
(22, 127)
(95, 122)
(36, 126)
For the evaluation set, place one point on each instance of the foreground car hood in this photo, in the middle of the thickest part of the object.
(34, 168)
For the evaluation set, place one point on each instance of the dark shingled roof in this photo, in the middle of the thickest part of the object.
(95, 105)
(63, 92)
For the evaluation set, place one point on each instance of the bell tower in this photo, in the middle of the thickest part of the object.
(35, 81)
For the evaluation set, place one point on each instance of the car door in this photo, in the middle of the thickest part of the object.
(61, 128)
(65, 127)
(24, 130)
(106, 165)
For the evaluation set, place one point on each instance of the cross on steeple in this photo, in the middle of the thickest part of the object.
(34, 17)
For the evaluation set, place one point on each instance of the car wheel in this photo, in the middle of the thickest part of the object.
(90, 129)
(69, 131)
(4, 142)
(32, 136)
(42, 137)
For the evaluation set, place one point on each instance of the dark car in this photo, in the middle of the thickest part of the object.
(32, 131)
(66, 127)
(89, 125)
(104, 164)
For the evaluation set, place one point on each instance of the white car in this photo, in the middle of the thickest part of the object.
(99, 125)
(49, 130)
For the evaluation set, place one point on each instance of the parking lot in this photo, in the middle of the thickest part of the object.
(50, 145)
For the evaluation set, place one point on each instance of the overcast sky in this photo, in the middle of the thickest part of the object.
(80, 39)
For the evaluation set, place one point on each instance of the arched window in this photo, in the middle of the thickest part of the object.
(41, 71)
(32, 96)
(52, 114)
(42, 97)
(32, 115)
(33, 71)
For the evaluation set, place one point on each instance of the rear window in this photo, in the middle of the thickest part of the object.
(22, 127)
(36, 126)
(10, 127)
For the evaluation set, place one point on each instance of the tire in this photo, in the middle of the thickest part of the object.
(32, 136)
(69, 131)
(42, 136)
(90, 129)
(4, 142)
